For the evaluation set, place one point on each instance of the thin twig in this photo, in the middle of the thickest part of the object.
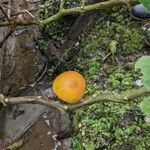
(8, 7)
(1, 8)
(6, 37)
(19, 12)
(43, 73)
(32, 100)
(86, 9)
(124, 97)
(26, 11)
(71, 11)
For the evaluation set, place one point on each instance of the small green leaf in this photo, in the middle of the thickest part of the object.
(146, 4)
(113, 46)
(145, 106)
(144, 64)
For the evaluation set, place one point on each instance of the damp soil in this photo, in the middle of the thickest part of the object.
(37, 138)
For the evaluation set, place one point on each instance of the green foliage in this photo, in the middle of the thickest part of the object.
(90, 65)
(113, 46)
(72, 3)
(48, 8)
(144, 64)
(128, 38)
(145, 106)
(110, 126)
(146, 4)
(132, 41)
(54, 29)
(121, 80)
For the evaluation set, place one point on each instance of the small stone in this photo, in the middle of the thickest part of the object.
(49, 93)
(77, 44)
(147, 119)
(49, 133)
(44, 116)
(139, 11)
(139, 83)
(59, 143)
(54, 137)
(47, 122)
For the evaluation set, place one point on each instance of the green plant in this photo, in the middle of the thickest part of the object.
(146, 3)
(108, 125)
(144, 64)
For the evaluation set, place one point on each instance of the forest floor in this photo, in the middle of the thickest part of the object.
(107, 54)
(106, 57)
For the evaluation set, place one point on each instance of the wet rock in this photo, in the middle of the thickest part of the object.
(20, 60)
(2, 145)
(139, 11)
(15, 127)
(15, 121)
(66, 144)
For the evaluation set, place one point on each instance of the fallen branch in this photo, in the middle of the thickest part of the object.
(124, 97)
(77, 10)
(31, 100)
(87, 8)
(119, 98)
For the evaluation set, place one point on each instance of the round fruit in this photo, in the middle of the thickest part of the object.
(69, 86)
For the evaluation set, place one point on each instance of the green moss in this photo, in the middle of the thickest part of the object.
(110, 125)
(54, 29)
(116, 27)
(121, 79)
(106, 125)
(132, 41)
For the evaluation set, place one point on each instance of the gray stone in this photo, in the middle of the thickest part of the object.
(20, 60)
(14, 128)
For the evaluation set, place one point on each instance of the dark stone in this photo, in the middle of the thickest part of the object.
(15, 121)
(20, 59)
(139, 11)
(147, 37)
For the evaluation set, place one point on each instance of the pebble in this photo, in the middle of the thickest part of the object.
(147, 119)
(139, 83)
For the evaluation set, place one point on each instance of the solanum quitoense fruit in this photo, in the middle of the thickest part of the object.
(69, 86)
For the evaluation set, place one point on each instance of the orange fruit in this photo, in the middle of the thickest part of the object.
(69, 86)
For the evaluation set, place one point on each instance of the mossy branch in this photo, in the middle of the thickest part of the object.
(119, 98)
(77, 10)
(124, 97)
